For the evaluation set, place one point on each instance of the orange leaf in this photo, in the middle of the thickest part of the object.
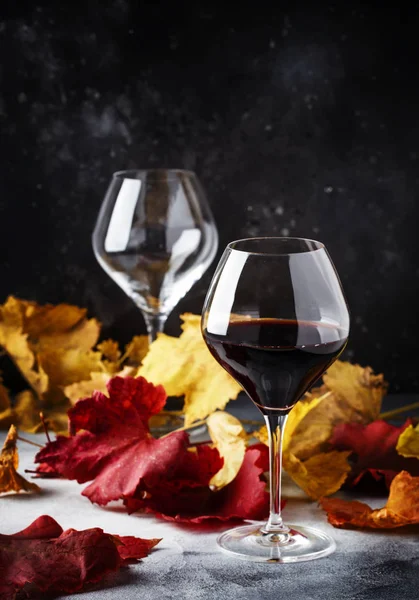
(10, 480)
(402, 507)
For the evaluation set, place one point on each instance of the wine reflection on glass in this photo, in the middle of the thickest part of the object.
(275, 318)
(155, 236)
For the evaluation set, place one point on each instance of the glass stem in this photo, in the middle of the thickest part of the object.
(154, 324)
(275, 425)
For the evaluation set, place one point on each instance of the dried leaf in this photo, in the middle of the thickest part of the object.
(179, 499)
(6, 411)
(48, 560)
(15, 342)
(29, 331)
(64, 367)
(97, 383)
(321, 475)
(110, 430)
(373, 449)
(408, 442)
(402, 507)
(355, 396)
(136, 350)
(184, 366)
(10, 480)
(229, 437)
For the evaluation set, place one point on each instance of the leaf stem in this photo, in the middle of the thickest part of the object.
(21, 439)
(44, 423)
(185, 428)
(398, 411)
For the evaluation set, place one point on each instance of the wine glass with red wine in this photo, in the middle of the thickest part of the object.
(275, 318)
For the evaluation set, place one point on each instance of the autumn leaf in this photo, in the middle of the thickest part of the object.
(28, 329)
(136, 350)
(402, 507)
(351, 394)
(111, 355)
(62, 325)
(10, 480)
(110, 430)
(185, 367)
(373, 449)
(6, 411)
(15, 341)
(48, 560)
(97, 383)
(319, 475)
(229, 437)
(66, 366)
(111, 446)
(408, 442)
(183, 501)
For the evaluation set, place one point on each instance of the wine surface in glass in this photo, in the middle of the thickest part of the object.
(276, 360)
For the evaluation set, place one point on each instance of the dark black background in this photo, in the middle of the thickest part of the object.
(300, 119)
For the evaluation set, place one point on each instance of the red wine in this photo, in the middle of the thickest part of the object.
(276, 360)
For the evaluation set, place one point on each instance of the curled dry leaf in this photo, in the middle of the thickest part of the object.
(185, 367)
(402, 507)
(408, 442)
(229, 437)
(10, 480)
(45, 559)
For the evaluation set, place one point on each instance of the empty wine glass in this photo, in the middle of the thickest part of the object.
(275, 318)
(155, 236)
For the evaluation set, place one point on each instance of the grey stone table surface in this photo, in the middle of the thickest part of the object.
(188, 565)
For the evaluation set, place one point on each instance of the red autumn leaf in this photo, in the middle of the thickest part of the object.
(164, 464)
(375, 448)
(47, 559)
(111, 445)
(116, 450)
(244, 498)
(110, 428)
(402, 507)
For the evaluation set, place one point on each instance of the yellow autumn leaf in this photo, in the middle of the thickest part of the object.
(321, 475)
(185, 367)
(14, 340)
(6, 411)
(136, 350)
(110, 350)
(60, 326)
(229, 437)
(408, 442)
(26, 414)
(351, 394)
(4, 398)
(28, 330)
(10, 480)
(64, 367)
(96, 383)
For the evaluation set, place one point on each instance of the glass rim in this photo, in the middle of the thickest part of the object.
(138, 173)
(318, 245)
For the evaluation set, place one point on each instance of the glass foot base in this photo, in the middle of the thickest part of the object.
(301, 543)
